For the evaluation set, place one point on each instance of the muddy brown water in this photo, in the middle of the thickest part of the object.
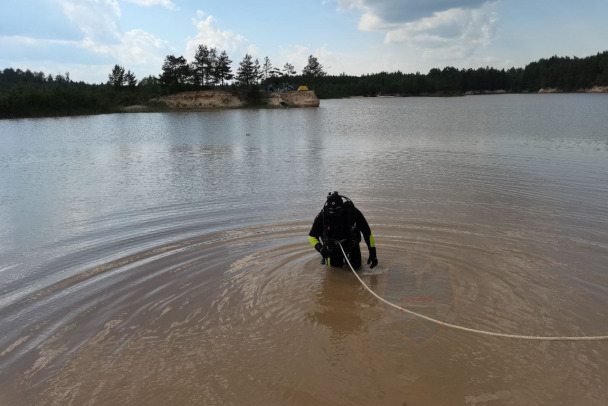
(155, 259)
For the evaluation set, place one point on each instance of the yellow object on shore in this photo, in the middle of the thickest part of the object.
(302, 88)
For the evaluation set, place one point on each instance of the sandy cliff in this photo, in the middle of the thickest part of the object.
(214, 99)
(597, 89)
(302, 98)
(206, 99)
(594, 89)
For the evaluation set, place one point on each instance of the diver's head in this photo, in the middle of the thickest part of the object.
(334, 204)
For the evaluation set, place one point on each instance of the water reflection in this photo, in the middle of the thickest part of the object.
(342, 305)
(169, 251)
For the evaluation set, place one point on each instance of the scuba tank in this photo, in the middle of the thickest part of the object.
(339, 224)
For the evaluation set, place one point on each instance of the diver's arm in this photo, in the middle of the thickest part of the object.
(316, 231)
(369, 239)
(365, 230)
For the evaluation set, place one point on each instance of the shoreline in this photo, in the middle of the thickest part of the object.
(277, 100)
(222, 99)
(549, 90)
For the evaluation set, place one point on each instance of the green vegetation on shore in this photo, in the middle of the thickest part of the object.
(34, 94)
(563, 73)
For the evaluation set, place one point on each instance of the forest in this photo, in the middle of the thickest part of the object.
(36, 94)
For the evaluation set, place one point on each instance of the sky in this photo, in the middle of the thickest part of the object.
(88, 37)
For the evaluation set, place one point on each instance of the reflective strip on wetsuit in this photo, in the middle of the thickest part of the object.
(313, 240)
(372, 241)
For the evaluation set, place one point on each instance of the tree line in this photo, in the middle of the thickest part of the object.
(564, 73)
(27, 93)
(213, 68)
(32, 94)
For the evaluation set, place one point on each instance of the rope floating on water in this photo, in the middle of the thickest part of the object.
(472, 330)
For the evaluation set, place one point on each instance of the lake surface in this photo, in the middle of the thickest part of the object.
(155, 259)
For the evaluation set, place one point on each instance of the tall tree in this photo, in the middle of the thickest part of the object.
(211, 73)
(266, 68)
(130, 79)
(204, 66)
(257, 71)
(117, 77)
(175, 72)
(150, 80)
(223, 70)
(288, 69)
(59, 78)
(245, 74)
(200, 65)
(314, 68)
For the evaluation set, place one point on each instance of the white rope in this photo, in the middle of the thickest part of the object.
(472, 330)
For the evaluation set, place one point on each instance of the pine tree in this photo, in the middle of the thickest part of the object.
(210, 73)
(176, 72)
(266, 68)
(257, 71)
(204, 66)
(223, 70)
(199, 65)
(314, 68)
(289, 69)
(130, 80)
(117, 77)
(245, 74)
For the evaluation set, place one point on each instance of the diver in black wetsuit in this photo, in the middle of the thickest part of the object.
(341, 222)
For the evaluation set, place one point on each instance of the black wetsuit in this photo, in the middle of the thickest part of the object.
(345, 228)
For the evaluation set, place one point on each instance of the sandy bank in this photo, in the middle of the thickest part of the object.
(545, 90)
(594, 89)
(221, 99)
(301, 98)
(597, 89)
(550, 90)
(137, 108)
(206, 99)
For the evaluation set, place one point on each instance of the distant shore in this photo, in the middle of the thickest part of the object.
(221, 99)
(547, 90)
(594, 89)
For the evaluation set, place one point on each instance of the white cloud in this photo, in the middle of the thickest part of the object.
(443, 29)
(100, 45)
(446, 28)
(402, 11)
(97, 19)
(136, 50)
(93, 73)
(211, 36)
(371, 22)
(297, 55)
(254, 51)
(20, 40)
(136, 47)
(147, 3)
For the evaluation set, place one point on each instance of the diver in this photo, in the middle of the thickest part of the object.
(340, 222)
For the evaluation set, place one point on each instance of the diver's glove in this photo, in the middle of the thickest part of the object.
(323, 250)
(372, 261)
